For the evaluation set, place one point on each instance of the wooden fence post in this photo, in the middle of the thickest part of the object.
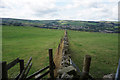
(51, 64)
(86, 66)
(60, 40)
(58, 48)
(4, 71)
(21, 65)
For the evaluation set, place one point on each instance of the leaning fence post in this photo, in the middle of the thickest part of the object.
(86, 66)
(4, 71)
(21, 65)
(51, 64)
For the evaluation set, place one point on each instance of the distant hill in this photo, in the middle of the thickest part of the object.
(92, 26)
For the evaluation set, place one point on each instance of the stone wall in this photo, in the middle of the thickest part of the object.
(66, 69)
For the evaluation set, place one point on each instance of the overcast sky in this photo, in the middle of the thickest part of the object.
(60, 9)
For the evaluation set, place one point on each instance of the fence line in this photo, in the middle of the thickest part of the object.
(67, 63)
(25, 70)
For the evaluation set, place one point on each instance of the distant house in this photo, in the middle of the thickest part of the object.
(106, 31)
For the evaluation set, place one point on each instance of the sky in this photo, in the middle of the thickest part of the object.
(87, 10)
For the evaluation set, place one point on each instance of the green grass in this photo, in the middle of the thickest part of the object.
(26, 42)
(102, 47)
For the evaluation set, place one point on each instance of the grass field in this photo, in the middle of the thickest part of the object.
(26, 42)
(102, 47)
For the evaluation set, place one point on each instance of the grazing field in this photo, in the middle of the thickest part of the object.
(103, 48)
(26, 42)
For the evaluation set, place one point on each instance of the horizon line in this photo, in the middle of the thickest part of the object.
(59, 19)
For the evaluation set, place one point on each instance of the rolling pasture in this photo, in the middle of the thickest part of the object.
(25, 42)
(103, 48)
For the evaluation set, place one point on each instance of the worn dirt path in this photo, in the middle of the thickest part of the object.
(58, 58)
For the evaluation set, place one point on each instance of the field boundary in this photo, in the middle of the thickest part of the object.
(68, 69)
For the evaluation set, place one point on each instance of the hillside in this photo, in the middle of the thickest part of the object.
(91, 26)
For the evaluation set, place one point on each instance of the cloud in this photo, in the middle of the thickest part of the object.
(26, 8)
(60, 9)
(92, 10)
